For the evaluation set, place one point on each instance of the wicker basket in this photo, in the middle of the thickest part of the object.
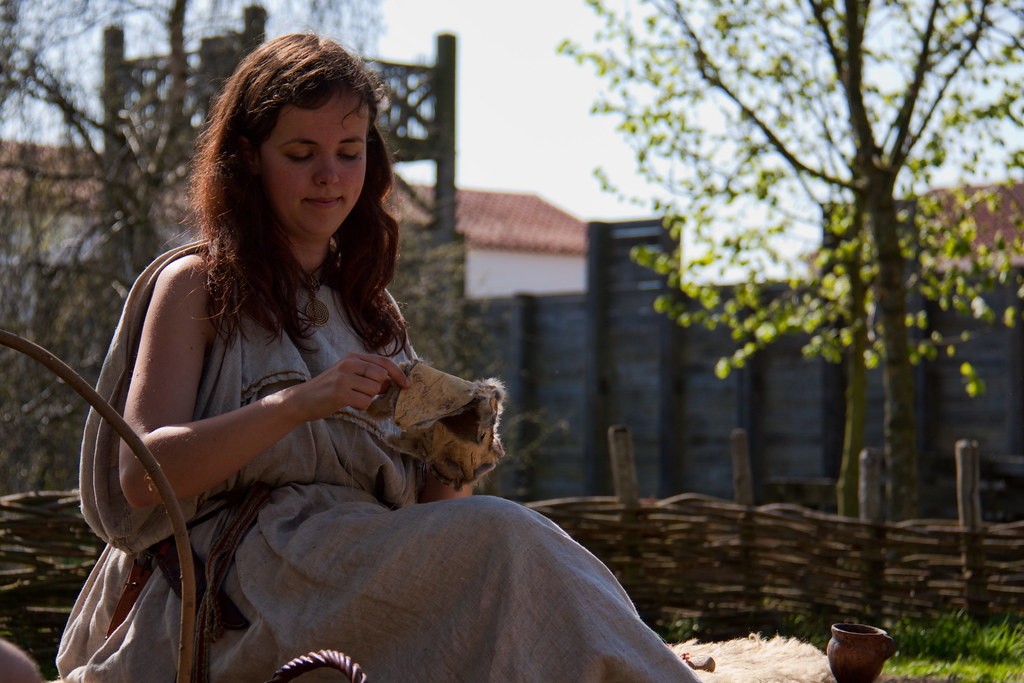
(316, 660)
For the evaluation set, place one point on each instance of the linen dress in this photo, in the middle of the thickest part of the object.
(341, 557)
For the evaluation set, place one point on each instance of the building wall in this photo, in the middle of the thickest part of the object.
(493, 273)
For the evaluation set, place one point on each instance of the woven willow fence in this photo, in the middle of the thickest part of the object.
(46, 551)
(730, 565)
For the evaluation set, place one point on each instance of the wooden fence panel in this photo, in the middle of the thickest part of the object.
(708, 410)
(608, 358)
(559, 364)
(628, 375)
(541, 356)
(790, 400)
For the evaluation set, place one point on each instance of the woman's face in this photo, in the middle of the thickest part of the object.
(312, 168)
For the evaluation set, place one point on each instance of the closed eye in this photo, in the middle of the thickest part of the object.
(350, 152)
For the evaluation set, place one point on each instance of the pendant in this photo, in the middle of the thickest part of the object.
(316, 310)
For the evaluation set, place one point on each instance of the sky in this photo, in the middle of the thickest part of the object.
(524, 121)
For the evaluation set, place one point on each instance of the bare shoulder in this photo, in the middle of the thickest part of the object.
(185, 276)
(180, 296)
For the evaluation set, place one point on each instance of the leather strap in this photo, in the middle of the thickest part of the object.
(142, 569)
(165, 555)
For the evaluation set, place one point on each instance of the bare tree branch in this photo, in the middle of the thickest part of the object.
(904, 144)
(711, 74)
(921, 69)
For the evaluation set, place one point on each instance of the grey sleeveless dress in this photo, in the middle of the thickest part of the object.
(342, 557)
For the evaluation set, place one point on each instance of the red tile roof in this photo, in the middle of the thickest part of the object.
(507, 221)
(997, 211)
(517, 222)
(1004, 216)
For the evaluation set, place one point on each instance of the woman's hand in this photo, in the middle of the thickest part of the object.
(351, 382)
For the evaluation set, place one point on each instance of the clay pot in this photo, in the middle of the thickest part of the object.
(857, 652)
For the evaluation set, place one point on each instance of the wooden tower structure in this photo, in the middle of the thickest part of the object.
(154, 106)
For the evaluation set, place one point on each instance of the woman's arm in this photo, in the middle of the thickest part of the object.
(433, 490)
(197, 456)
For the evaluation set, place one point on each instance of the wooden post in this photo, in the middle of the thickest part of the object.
(743, 493)
(114, 85)
(672, 407)
(596, 351)
(969, 513)
(1014, 367)
(968, 496)
(118, 226)
(742, 481)
(620, 449)
(444, 86)
(254, 23)
(871, 508)
(869, 492)
(114, 91)
(522, 385)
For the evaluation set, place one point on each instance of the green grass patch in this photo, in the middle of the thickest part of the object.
(961, 671)
(960, 636)
(960, 648)
(953, 647)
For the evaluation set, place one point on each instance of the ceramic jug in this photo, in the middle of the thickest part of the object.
(857, 652)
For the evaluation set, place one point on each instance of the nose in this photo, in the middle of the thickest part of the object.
(326, 171)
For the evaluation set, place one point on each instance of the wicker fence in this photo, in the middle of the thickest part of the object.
(46, 551)
(733, 567)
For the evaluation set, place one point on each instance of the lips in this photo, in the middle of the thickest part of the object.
(325, 202)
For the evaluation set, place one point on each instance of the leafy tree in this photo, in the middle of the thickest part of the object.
(769, 122)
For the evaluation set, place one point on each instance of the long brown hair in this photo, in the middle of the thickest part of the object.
(249, 268)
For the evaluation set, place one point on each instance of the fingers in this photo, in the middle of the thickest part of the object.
(372, 376)
(379, 370)
(353, 381)
(384, 370)
(370, 371)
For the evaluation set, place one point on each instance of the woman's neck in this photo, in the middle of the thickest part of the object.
(310, 257)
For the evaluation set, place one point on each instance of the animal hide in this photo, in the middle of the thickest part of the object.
(449, 423)
(756, 660)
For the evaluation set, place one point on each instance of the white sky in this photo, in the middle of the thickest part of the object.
(524, 122)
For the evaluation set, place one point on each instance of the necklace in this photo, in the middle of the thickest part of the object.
(316, 310)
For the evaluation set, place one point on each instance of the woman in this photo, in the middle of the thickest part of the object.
(245, 363)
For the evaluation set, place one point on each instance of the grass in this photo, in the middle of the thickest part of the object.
(954, 647)
(961, 648)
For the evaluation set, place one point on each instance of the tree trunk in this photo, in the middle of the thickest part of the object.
(898, 377)
(847, 487)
